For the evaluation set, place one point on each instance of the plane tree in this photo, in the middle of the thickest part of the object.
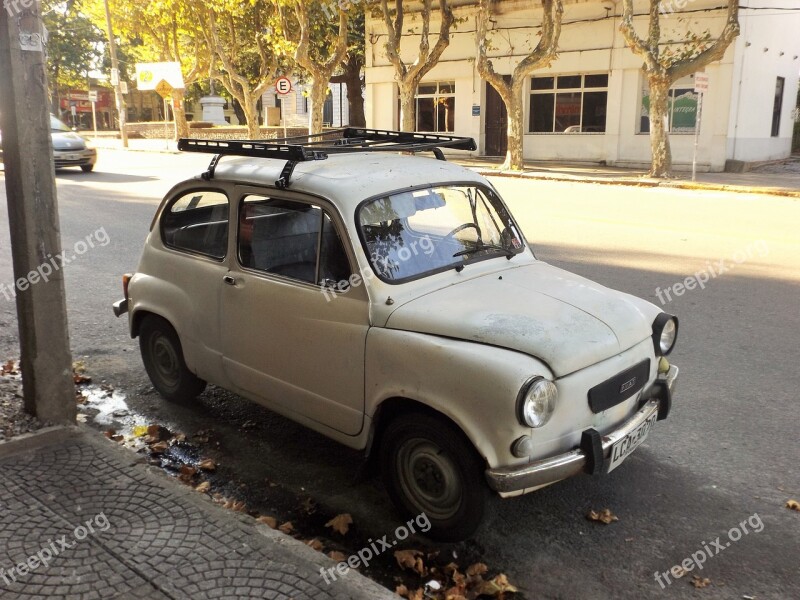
(511, 89)
(665, 63)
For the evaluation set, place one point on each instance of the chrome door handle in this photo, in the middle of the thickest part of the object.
(229, 279)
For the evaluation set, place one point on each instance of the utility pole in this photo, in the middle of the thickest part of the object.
(33, 218)
(121, 108)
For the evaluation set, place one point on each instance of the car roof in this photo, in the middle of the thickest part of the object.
(348, 179)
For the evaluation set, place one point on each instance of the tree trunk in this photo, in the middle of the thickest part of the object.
(513, 101)
(408, 106)
(179, 110)
(251, 117)
(355, 99)
(319, 91)
(659, 136)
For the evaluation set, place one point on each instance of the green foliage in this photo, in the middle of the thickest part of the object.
(74, 44)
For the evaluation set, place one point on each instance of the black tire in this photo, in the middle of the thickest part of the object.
(420, 454)
(162, 356)
(87, 168)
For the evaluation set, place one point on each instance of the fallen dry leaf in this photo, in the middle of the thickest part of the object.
(793, 505)
(315, 544)
(287, 527)
(268, 521)
(8, 368)
(309, 506)
(495, 587)
(203, 487)
(410, 559)
(604, 516)
(477, 569)
(337, 556)
(159, 447)
(340, 523)
(700, 582)
(401, 590)
(187, 473)
(81, 379)
(235, 505)
(207, 465)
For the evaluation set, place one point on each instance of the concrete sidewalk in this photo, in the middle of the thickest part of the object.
(781, 178)
(108, 526)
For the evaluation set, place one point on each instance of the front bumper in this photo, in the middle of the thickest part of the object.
(74, 158)
(120, 307)
(594, 451)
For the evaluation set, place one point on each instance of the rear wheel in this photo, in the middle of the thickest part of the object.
(430, 467)
(162, 355)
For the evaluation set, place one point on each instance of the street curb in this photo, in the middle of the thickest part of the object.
(646, 182)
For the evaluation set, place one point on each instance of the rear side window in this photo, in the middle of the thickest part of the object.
(291, 239)
(197, 222)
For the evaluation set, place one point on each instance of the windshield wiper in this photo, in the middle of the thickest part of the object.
(484, 246)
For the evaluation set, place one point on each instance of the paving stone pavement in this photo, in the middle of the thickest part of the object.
(117, 529)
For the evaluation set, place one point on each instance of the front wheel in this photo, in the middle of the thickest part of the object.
(87, 168)
(163, 360)
(430, 467)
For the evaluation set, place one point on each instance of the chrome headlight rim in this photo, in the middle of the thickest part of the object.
(660, 325)
(525, 395)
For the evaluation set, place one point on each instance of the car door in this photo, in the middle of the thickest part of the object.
(288, 341)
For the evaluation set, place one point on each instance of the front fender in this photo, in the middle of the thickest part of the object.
(474, 385)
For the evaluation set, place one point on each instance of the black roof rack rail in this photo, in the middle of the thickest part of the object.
(319, 146)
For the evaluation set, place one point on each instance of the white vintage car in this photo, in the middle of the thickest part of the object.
(392, 303)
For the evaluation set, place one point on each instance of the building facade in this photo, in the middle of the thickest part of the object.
(590, 104)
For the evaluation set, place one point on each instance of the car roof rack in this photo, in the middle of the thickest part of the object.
(318, 146)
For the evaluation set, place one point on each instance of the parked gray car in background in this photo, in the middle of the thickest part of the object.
(69, 149)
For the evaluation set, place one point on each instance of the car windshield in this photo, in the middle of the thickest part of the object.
(56, 125)
(416, 233)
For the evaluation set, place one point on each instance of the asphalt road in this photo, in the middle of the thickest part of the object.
(728, 453)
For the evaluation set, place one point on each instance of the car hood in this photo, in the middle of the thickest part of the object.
(560, 318)
(67, 141)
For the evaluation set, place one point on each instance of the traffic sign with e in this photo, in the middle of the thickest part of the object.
(283, 85)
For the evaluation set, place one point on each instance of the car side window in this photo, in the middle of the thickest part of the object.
(288, 238)
(197, 222)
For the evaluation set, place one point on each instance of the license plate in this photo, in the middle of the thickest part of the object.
(624, 447)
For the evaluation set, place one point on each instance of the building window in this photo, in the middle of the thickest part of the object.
(436, 106)
(681, 108)
(777, 107)
(568, 104)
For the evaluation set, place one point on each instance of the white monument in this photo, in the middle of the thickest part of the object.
(213, 108)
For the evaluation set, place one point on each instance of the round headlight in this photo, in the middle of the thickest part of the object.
(537, 402)
(665, 332)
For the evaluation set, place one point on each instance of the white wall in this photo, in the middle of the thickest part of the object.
(591, 43)
(293, 105)
(768, 48)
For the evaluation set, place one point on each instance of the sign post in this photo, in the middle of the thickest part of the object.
(700, 87)
(164, 78)
(164, 89)
(283, 86)
(93, 100)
